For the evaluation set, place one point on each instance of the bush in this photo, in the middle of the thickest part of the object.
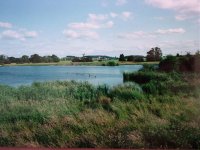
(127, 92)
(187, 63)
(148, 67)
(145, 77)
(112, 63)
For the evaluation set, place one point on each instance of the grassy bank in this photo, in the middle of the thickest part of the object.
(70, 63)
(163, 112)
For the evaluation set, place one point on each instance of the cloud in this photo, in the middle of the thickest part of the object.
(159, 18)
(198, 21)
(97, 17)
(90, 25)
(169, 31)
(109, 24)
(87, 30)
(113, 15)
(71, 34)
(136, 35)
(104, 3)
(142, 34)
(84, 25)
(120, 2)
(94, 22)
(185, 8)
(181, 17)
(11, 34)
(18, 35)
(30, 34)
(126, 15)
(5, 25)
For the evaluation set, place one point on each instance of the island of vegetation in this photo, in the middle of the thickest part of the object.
(156, 107)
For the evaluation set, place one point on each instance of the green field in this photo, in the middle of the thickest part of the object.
(162, 112)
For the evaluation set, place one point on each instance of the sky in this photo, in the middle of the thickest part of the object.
(98, 27)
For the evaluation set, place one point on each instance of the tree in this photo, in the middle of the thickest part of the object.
(12, 59)
(4, 59)
(25, 59)
(154, 54)
(122, 58)
(170, 63)
(47, 59)
(55, 58)
(35, 58)
(130, 58)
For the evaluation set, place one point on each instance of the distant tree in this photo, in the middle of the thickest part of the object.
(47, 59)
(139, 59)
(12, 59)
(87, 59)
(4, 59)
(55, 58)
(197, 53)
(154, 54)
(25, 59)
(122, 58)
(35, 58)
(76, 59)
(170, 63)
(185, 63)
(188, 54)
(130, 58)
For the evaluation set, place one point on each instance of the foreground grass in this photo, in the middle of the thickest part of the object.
(70, 63)
(74, 114)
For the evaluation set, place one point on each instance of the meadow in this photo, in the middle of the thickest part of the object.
(157, 110)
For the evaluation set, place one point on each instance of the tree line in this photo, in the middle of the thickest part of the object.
(35, 58)
(154, 54)
(181, 63)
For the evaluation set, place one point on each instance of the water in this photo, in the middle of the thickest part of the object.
(26, 75)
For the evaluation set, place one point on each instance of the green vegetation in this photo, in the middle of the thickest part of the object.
(187, 63)
(155, 54)
(111, 63)
(35, 58)
(154, 108)
(163, 112)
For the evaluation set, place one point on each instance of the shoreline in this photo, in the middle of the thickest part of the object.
(69, 63)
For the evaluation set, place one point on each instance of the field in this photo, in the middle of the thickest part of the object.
(162, 112)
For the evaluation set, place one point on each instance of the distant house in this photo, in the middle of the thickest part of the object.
(70, 57)
(82, 59)
(99, 57)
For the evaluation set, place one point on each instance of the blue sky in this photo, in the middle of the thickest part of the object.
(105, 27)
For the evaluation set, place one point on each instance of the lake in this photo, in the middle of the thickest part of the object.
(26, 75)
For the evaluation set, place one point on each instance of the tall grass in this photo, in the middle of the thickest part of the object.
(78, 114)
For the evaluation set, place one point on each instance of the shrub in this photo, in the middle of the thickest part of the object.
(169, 64)
(145, 77)
(150, 88)
(112, 63)
(148, 67)
(128, 91)
(187, 63)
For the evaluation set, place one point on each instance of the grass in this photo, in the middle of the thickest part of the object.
(94, 63)
(163, 112)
